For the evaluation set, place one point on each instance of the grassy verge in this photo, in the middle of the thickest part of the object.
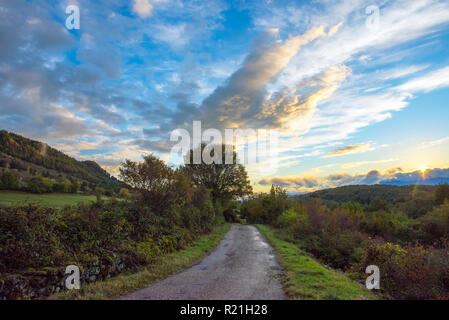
(161, 268)
(55, 200)
(305, 278)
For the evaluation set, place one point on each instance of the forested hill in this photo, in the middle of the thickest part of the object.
(364, 194)
(23, 154)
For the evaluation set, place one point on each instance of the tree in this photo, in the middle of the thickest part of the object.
(441, 193)
(124, 193)
(155, 181)
(62, 185)
(9, 180)
(39, 184)
(75, 186)
(225, 181)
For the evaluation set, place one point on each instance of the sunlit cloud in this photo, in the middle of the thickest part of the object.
(394, 176)
(356, 148)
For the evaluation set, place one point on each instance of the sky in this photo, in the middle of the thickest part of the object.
(357, 91)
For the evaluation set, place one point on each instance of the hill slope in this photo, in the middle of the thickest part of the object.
(24, 154)
(364, 194)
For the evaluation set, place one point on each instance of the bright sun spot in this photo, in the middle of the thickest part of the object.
(423, 168)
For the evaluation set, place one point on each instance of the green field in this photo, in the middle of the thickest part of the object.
(56, 200)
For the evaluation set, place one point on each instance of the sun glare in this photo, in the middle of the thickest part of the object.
(423, 168)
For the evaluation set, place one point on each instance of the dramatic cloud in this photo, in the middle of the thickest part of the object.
(117, 87)
(244, 96)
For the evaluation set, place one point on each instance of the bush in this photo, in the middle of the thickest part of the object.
(413, 272)
(288, 219)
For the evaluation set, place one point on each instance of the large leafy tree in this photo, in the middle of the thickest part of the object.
(153, 179)
(225, 181)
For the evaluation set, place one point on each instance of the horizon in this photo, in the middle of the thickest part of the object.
(354, 99)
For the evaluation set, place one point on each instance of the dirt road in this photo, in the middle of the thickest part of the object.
(243, 266)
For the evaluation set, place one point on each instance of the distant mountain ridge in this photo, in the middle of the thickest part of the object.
(22, 152)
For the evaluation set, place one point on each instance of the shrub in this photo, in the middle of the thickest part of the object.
(288, 219)
(413, 272)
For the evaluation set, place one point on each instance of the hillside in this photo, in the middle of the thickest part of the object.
(26, 155)
(364, 194)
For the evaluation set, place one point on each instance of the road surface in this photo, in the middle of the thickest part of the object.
(243, 266)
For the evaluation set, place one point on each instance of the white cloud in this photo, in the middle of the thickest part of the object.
(144, 8)
(174, 35)
(433, 143)
(431, 81)
(403, 72)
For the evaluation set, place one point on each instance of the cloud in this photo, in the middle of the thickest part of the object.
(244, 95)
(334, 29)
(175, 35)
(144, 8)
(117, 73)
(393, 176)
(304, 181)
(431, 81)
(403, 72)
(356, 148)
(433, 143)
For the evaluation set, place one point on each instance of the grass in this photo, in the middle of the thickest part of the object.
(305, 278)
(56, 200)
(160, 269)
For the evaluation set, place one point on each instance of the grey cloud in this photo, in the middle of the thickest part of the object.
(308, 182)
(360, 147)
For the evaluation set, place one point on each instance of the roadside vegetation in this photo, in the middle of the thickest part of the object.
(411, 251)
(167, 210)
(160, 268)
(306, 279)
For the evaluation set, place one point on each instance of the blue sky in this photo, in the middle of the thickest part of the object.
(353, 101)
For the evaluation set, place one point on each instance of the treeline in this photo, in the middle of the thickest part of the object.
(413, 200)
(31, 157)
(13, 180)
(411, 252)
(171, 209)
